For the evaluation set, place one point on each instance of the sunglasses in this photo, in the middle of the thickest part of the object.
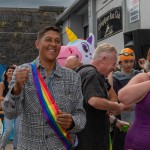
(127, 54)
(127, 61)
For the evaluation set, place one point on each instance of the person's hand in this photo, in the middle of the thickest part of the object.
(116, 108)
(21, 77)
(121, 123)
(65, 120)
(141, 62)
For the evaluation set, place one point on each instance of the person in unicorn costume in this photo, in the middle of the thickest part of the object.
(81, 48)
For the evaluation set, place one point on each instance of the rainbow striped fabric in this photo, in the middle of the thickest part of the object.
(49, 107)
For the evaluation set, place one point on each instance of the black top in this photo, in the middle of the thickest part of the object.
(6, 88)
(95, 136)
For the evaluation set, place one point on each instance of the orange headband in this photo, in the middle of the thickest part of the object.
(126, 54)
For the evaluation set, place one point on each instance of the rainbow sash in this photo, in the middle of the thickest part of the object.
(49, 107)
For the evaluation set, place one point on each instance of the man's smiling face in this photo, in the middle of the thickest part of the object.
(49, 45)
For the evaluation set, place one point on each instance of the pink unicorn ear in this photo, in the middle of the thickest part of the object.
(148, 55)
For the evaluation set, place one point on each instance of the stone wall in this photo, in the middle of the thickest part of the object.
(18, 30)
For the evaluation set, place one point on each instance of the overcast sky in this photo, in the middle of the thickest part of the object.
(34, 3)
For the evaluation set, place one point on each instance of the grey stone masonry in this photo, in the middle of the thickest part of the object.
(18, 30)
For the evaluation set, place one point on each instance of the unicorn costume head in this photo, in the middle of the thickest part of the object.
(81, 48)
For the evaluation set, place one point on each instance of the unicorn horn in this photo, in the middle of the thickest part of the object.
(71, 36)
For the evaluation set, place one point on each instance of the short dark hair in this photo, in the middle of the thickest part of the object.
(46, 29)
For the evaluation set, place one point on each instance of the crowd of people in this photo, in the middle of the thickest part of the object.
(74, 107)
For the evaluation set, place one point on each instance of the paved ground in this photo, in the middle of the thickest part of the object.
(9, 147)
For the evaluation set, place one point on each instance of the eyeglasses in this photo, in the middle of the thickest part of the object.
(127, 54)
(127, 61)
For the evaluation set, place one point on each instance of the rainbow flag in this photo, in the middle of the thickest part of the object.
(49, 107)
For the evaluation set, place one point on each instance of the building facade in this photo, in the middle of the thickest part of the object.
(123, 23)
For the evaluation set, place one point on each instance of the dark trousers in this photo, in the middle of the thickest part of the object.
(118, 139)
